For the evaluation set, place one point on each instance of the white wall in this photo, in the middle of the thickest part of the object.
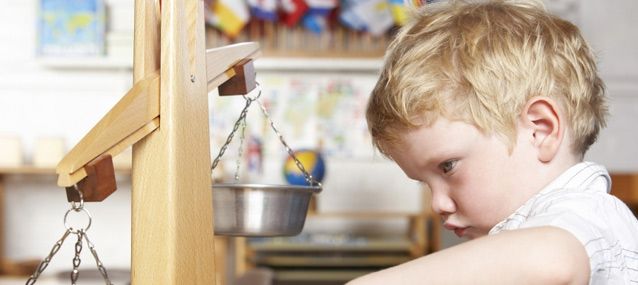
(609, 26)
(38, 101)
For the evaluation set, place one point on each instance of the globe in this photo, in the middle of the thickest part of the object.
(311, 160)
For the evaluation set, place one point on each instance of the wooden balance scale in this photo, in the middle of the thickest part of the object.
(165, 118)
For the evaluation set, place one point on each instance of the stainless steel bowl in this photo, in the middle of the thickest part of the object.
(260, 209)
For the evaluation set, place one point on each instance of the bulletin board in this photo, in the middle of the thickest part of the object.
(322, 112)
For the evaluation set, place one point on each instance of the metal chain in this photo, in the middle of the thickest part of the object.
(311, 180)
(242, 137)
(242, 116)
(44, 263)
(81, 234)
(76, 259)
(98, 262)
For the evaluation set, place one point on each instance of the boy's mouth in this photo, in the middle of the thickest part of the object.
(458, 231)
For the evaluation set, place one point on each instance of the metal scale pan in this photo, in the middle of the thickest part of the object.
(261, 209)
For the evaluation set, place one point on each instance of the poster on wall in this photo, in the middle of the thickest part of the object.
(70, 28)
(324, 113)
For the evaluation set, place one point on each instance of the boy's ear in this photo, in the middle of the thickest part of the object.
(543, 117)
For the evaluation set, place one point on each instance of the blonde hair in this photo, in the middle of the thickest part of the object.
(480, 63)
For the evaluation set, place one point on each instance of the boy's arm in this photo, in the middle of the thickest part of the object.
(542, 255)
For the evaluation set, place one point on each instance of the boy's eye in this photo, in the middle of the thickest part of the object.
(448, 165)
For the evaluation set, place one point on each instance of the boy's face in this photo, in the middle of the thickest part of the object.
(475, 181)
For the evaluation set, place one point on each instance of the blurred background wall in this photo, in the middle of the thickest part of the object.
(62, 98)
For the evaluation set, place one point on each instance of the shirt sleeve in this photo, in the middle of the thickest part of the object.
(588, 219)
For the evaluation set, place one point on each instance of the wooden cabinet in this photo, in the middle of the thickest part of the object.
(335, 258)
(625, 187)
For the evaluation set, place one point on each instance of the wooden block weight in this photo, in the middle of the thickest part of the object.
(243, 81)
(99, 182)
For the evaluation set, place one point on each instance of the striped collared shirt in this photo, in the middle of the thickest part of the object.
(579, 202)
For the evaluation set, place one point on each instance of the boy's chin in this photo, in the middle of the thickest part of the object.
(472, 233)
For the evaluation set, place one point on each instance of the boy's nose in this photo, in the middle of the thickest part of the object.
(442, 203)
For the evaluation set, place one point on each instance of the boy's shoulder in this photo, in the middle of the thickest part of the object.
(577, 198)
(589, 213)
(579, 202)
(603, 224)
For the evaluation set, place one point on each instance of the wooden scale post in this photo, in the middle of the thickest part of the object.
(165, 117)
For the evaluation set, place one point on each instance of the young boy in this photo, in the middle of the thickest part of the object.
(493, 106)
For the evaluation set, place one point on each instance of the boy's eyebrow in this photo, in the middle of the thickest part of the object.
(425, 163)
(437, 160)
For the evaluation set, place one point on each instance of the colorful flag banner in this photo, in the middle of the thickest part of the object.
(209, 15)
(316, 18)
(229, 16)
(263, 9)
(375, 14)
(348, 17)
(314, 23)
(322, 4)
(292, 11)
(397, 7)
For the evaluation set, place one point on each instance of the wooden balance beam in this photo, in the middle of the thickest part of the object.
(165, 118)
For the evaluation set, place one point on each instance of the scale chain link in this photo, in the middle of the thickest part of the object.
(242, 118)
(311, 180)
(98, 262)
(76, 259)
(43, 265)
(242, 138)
(81, 234)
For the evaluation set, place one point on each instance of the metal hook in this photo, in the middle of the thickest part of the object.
(73, 205)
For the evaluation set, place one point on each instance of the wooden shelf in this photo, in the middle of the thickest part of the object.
(27, 170)
(11, 267)
(279, 40)
(365, 215)
(324, 275)
(367, 65)
(89, 62)
(332, 261)
(369, 245)
(37, 170)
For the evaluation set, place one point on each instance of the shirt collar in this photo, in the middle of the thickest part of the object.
(580, 176)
